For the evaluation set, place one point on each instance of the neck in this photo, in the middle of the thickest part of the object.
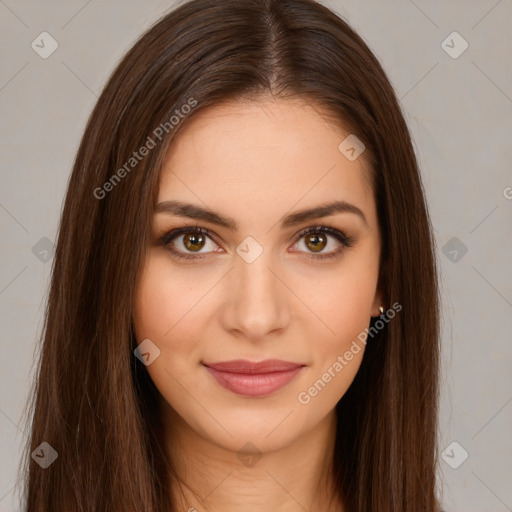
(293, 478)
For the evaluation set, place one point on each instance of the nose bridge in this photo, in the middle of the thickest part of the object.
(257, 304)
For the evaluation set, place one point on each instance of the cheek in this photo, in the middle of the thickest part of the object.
(338, 353)
(349, 309)
(172, 310)
(153, 309)
(165, 300)
(165, 304)
(343, 301)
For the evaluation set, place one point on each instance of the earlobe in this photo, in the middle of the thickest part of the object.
(380, 311)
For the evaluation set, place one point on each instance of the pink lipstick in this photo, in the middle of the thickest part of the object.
(253, 378)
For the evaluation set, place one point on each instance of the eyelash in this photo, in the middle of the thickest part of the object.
(345, 241)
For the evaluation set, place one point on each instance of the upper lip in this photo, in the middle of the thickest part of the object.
(249, 367)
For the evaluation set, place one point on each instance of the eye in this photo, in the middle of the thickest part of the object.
(189, 240)
(187, 243)
(315, 239)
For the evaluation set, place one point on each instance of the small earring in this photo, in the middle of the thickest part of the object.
(381, 309)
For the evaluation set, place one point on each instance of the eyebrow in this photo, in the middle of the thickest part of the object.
(183, 209)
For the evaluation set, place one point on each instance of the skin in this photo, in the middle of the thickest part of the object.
(257, 161)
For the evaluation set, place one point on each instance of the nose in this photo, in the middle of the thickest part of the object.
(256, 300)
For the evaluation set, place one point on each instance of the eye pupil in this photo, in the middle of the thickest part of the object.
(191, 240)
(318, 241)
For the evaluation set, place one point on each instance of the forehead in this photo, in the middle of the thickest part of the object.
(263, 156)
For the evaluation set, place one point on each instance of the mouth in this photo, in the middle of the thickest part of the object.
(253, 379)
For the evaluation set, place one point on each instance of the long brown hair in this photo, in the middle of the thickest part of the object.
(92, 400)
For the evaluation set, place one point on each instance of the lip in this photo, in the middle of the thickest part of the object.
(253, 378)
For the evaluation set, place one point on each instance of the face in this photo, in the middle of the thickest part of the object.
(241, 270)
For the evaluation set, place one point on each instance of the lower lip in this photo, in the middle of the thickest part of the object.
(253, 384)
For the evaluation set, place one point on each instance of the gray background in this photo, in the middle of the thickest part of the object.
(459, 111)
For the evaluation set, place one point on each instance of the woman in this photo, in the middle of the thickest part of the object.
(244, 308)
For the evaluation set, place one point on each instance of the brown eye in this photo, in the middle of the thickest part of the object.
(316, 242)
(322, 242)
(189, 243)
(194, 241)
